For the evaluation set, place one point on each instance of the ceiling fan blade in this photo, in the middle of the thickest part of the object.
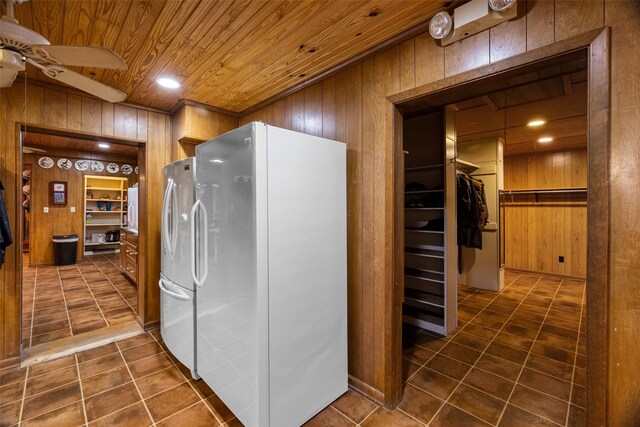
(84, 83)
(81, 56)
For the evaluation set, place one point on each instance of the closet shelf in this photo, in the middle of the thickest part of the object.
(424, 209)
(423, 191)
(430, 253)
(417, 230)
(546, 191)
(430, 276)
(424, 168)
(465, 166)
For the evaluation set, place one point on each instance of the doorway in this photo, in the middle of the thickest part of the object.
(473, 88)
(75, 187)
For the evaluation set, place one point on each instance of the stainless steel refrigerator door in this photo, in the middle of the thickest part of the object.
(177, 239)
(229, 301)
(177, 321)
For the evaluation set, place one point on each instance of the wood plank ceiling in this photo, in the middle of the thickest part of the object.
(558, 96)
(229, 54)
(41, 140)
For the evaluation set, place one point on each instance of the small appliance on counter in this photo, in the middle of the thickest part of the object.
(112, 236)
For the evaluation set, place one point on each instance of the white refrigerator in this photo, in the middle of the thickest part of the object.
(271, 291)
(178, 263)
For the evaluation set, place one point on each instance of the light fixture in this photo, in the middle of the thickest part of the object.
(545, 139)
(440, 25)
(534, 123)
(471, 18)
(168, 83)
(217, 161)
(103, 145)
(501, 5)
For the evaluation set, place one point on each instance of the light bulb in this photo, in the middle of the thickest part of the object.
(501, 5)
(440, 25)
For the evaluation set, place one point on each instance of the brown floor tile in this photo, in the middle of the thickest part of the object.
(197, 415)
(408, 369)
(142, 351)
(136, 341)
(219, 409)
(580, 377)
(514, 341)
(516, 417)
(68, 416)
(556, 341)
(429, 342)
(419, 404)
(12, 374)
(449, 367)
(489, 383)
(150, 365)
(10, 413)
(550, 366)
(97, 352)
(471, 341)
(524, 323)
(461, 353)
(51, 400)
(486, 321)
(51, 380)
(99, 365)
(540, 404)
(545, 383)
(135, 415)
(450, 416)
(577, 417)
(554, 353)
(417, 354)
(354, 406)
(329, 417)
(105, 381)
(499, 366)
(159, 381)
(571, 334)
(201, 388)
(11, 392)
(579, 396)
(111, 401)
(520, 331)
(506, 352)
(171, 401)
(51, 336)
(436, 384)
(383, 418)
(477, 403)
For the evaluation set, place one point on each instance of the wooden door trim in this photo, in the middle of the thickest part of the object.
(597, 45)
(141, 145)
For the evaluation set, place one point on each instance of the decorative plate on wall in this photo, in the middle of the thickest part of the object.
(113, 168)
(82, 165)
(64, 164)
(137, 171)
(126, 169)
(46, 162)
(97, 166)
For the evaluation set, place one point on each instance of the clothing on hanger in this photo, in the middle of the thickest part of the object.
(473, 213)
(5, 232)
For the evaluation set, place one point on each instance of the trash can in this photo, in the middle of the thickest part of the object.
(64, 249)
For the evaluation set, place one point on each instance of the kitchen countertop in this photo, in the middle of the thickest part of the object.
(130, 230)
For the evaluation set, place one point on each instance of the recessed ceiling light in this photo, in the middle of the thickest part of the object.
(534, 123)
(545, 139)
(168, 83)
(103, 145)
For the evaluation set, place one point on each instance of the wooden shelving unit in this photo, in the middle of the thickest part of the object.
(98, 190)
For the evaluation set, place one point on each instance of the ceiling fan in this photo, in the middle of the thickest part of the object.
(19, 45)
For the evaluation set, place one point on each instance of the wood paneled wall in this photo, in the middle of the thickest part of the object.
(192, 125)
(60, 220)
(54, 108)
(538, 232)
(351, 107)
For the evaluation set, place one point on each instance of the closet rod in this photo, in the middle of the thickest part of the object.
(546, 191)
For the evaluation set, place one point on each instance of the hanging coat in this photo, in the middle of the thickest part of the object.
(473, 213)
(5, 231)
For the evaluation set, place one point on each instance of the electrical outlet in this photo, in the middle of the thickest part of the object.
(561, 259)
(73, 209)
(46, 209)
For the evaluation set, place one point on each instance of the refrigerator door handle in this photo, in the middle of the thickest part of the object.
(165, 219)
(175, 295)
(205, 245)
(194, 210)
(174, 219)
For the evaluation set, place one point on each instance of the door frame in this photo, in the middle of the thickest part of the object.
(596, 44)
(22, 127)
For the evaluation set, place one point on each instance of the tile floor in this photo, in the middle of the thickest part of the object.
(60, 302)
(517, 359)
